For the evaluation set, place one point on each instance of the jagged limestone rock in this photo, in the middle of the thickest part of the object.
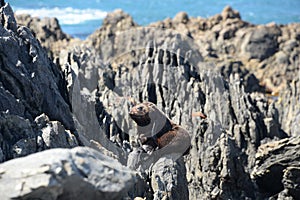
(30, 85)
(276, 164)
(79, 173)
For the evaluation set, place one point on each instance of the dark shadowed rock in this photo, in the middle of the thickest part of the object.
(17, 137)
(20, 137)
(248, 79)
(29, 75)
(80, 173)
(276, 165)
(261, 42)
(291, 182)
(7, 18)
(30, 85)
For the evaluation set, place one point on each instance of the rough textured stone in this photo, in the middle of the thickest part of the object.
(29, 75)
(30, 85)
(228, 12)
(291, 181)
(276, 165)
(45, 30)
(232, 120)
(54, 134)
(181, 17)
(120, 39)
(80, 173)
(16, 136)
(235, 125)
(261, 43)
(20, 137)
(168, 179)
(48, 32)
(289, 107)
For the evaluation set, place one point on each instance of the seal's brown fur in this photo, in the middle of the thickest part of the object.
(155, 129)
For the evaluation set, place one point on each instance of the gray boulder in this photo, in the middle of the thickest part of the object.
(168, 179)
(261, 42)
(20, 137)
(79, 173)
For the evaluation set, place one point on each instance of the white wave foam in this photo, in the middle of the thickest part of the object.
(65, 15)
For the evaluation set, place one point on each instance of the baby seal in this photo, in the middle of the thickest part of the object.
(157, 133)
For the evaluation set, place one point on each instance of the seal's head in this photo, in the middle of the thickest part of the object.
(149, 118)
(140, 114)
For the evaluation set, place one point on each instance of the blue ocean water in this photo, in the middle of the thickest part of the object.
(80, 18)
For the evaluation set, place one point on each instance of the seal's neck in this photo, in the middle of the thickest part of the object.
(155, 130)
(142, 122)
(167, 127)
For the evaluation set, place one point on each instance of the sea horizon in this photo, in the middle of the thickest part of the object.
(81, 19)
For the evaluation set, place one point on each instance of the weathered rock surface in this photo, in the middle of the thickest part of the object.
(48, 32)
(226, 38)
(225, 142)
(20, 137)
(289, 107)
(168, 179)
(29, 75)
(103, 39)
(261, 42)
(121, 40)
(30, 85)
(241, 139)
(276, 168)
(80, 173)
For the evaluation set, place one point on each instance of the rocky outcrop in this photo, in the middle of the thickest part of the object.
(48, 32)
(168, 179)
(80, 173)
(240, 139)
(30, 85)
(226, 141)
(289, 108)
(121, 40)
(277, 165)
(226, 38)
(223, 38)
(104, 38)
(30, 76)
(261, 42)
(20, 137)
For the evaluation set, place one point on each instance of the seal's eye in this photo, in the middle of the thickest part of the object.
(140, 108)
